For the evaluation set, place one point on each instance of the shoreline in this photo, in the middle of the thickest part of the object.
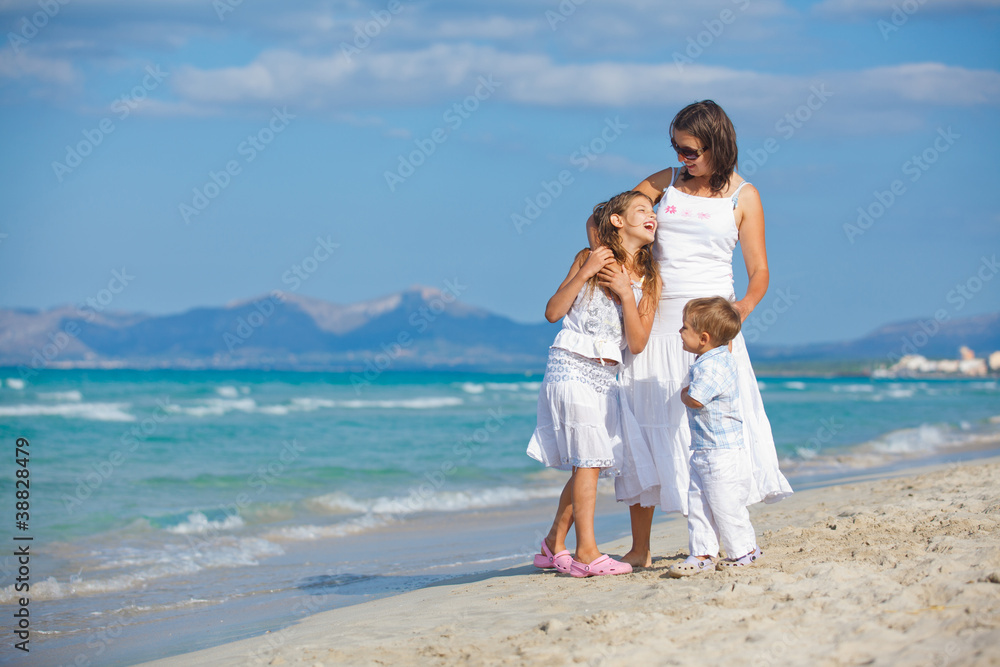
(910, 576)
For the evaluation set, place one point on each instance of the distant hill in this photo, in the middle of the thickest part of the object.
(936, 340)
(418, 328)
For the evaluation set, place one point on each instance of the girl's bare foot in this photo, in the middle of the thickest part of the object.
(638, 558)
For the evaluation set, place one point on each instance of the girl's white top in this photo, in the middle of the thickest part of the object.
(695, 250)
(593, 326)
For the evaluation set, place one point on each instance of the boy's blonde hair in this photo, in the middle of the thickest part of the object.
(715, 316)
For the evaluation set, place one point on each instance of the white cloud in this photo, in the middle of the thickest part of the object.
(441, 73)
(47, 70)
(866, 8)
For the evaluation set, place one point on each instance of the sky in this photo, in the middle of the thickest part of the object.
(164, 155)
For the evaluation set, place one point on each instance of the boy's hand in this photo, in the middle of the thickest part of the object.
(688, 401)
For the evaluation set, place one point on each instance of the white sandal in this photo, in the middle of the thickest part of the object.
(692, 565)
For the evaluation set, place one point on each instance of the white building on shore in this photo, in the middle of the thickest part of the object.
(968, 365)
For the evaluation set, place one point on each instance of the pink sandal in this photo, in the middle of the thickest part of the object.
(547, 560)
(602, 565)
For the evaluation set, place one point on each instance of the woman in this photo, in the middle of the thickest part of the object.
(703, 209)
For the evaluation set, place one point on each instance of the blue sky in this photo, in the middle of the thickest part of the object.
(346, 150)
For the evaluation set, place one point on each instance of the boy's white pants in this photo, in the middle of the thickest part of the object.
(717, 511)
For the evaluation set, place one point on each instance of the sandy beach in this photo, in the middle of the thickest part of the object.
(903, 570)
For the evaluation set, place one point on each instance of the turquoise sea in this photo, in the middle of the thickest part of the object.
(173, 510)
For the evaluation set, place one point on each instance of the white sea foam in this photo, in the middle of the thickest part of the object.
(304, 533)
(105, 412)
(155, 563)
(227, 392)
(73, 395)
(472, 387)
(15, 383)
(197, 523)
(899, 393)
(428, 403)
(424, 499)
(924, 438)
(761, 386)
(798, 386)
(215, 407)
(853, 388)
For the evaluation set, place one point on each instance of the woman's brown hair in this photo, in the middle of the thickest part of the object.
(607, 235)
(709, 124)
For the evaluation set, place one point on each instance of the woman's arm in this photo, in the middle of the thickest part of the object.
(585, 266)
(750, 223)
(652, 187)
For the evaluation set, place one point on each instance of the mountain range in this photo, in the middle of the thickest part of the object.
(418, 328)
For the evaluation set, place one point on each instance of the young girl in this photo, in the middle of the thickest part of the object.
(608, 302)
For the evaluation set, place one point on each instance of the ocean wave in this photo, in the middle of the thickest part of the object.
(431, 501)
(15, 383)
(105, 412)
(197, 523)
(472, 387)
(896, 445)
(309, 532)
(923, 438)
(227, 391)
(853, 388)
(216, 407)
(154, 563)
(797, 386)
(73, 396)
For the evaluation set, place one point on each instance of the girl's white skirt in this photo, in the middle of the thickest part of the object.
(582, 422)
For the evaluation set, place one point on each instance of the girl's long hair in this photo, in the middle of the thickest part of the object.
(609, 236)
(707, 122)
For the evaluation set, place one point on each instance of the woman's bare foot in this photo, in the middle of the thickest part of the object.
(638, 558)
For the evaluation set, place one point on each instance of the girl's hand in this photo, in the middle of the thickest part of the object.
(616, 279)
(598, 259)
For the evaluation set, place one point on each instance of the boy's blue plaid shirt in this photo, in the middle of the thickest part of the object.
(714, 384)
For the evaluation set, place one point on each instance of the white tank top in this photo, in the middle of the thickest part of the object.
(695, 238)
(593, 326)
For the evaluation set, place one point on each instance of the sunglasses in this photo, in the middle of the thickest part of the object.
(687, 153)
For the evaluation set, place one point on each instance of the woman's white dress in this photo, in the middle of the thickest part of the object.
(695, 238)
